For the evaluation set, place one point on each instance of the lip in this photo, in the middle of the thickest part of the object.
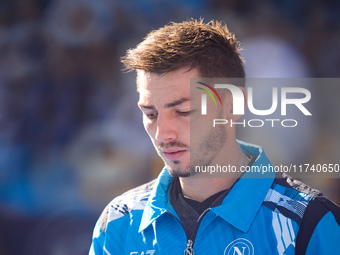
(174, 154)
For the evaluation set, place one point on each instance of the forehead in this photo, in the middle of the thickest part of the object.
(165, 87)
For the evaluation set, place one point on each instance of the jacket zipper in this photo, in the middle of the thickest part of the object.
(190, 243)
(189, 250)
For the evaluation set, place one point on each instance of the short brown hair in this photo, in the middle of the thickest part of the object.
(211, 48)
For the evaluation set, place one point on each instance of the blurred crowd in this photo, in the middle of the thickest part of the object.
(71, 136)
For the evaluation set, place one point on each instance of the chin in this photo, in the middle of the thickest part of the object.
(177, 171)
(180, 174)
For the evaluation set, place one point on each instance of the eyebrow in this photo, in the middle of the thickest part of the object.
(168, 105)
(177, 102)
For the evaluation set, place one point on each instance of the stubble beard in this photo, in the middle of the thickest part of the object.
(175, 170)
(203, 156)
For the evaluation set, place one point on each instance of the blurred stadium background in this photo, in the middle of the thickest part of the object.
(71, 136)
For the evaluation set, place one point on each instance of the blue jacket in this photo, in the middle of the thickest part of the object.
(265, 215)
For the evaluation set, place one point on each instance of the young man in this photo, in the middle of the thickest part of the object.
(185, 211)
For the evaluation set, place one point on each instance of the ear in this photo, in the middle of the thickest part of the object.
(229, 113)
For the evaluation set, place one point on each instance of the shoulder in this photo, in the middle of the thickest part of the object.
(308, 207)
(134, 199)
(297, 200)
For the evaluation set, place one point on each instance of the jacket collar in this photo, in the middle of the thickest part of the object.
(239, 207)
(159, 200)
(244, 200)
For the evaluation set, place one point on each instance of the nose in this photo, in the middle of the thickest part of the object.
(166, 129)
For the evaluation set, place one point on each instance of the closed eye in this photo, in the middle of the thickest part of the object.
(184, 113)
(151, 115)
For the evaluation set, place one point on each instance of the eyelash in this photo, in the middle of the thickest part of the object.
(187, 113)
(154, 115)
(151, 115)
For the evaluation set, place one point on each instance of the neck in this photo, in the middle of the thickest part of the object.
(200, 187)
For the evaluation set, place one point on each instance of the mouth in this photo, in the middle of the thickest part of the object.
(173, 154)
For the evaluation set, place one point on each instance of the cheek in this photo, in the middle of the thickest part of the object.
(149, 128)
